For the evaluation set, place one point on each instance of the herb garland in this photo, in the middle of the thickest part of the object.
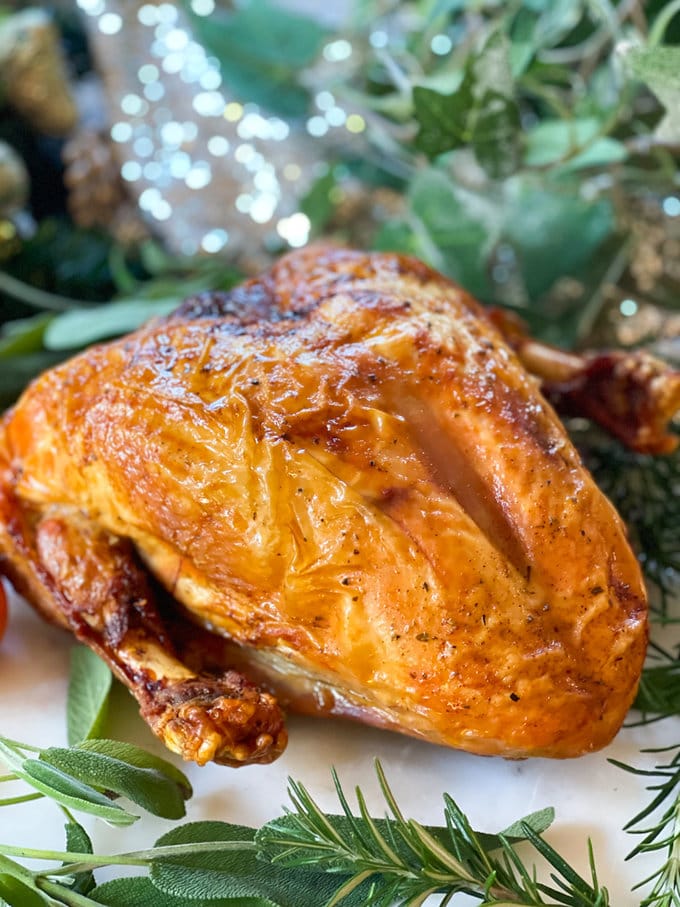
(566, 112)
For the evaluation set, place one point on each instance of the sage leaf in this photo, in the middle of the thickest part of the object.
(274, 838)
(107, 765)
(78, 841)
(140, 892)
(206, 874)
(538, 821)
(214, 875)
(88, 691)
(16, 893)
(72, 793)
(141, 758)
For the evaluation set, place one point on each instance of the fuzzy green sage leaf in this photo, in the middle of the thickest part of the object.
(107, 765)
(238, 874)
(73, 793)
(141, 892)
(16, 893)
(88, 692)
(78, 841)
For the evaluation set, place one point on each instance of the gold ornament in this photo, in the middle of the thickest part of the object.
(33, 78)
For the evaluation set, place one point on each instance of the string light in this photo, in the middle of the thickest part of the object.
(167, 150)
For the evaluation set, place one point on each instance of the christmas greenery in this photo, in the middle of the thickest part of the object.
(524, 160)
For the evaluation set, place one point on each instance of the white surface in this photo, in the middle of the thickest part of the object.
(591, 797)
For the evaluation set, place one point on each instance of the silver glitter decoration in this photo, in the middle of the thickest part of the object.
(210, 171)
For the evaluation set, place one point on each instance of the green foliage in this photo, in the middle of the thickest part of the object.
(78, 841)
(646, 492)
(519, 157)
(262, 48)
(63, 325)
(81, 327)
(90, 776)
(659, 68)
(546, 230)
(308, 858)
(88, 692)
(663, 834)
(318, 203)
(126, 771)
(482, 113)
(573, 144)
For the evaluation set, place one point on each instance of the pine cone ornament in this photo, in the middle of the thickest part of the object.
(96, 194)
(33, 77)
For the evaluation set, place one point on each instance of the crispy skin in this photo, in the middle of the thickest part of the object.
(345, 470)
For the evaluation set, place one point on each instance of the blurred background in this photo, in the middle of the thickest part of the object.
(151, 149)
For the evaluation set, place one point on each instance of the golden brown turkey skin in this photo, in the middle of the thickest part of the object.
(344, 468)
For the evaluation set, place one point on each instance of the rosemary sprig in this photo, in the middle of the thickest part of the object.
(408, 862)
(658, 824)
(308, 858)
(646, 492)
(658, 695)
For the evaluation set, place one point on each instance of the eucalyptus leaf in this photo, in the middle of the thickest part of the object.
(552, 229)
(454, 229)
(318, 203)
(104, 767)
(396, 236)
(261, 48)
(81, 327)
(88, 691)
(443, 8)
(557, 19)
(572, 144)
(522, 46)
(267, 32)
